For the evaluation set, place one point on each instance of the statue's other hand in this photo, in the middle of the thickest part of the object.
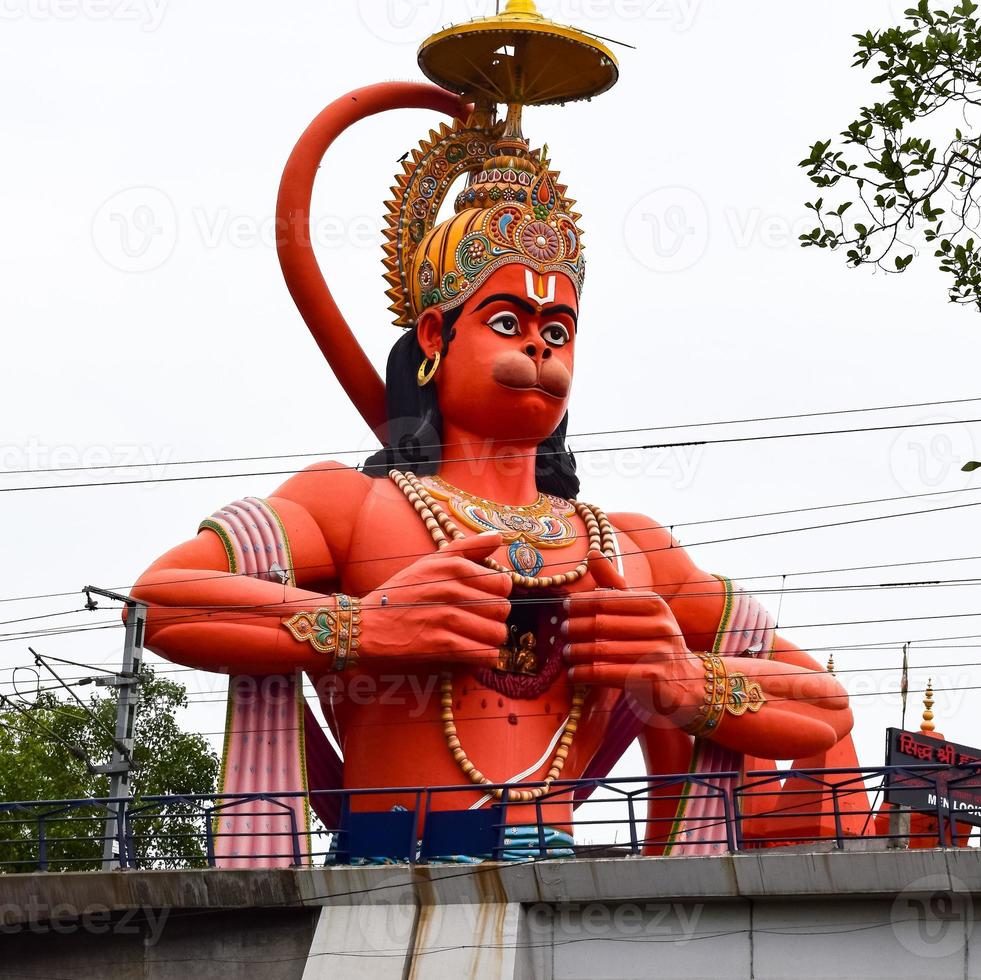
(630, 639)
(614, 624)
(446, 607)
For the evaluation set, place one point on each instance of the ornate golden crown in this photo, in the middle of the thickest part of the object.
(512, 208)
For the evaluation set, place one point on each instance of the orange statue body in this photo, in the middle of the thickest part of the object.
(464, 619)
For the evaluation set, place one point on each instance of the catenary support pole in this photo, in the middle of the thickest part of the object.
(127, 684)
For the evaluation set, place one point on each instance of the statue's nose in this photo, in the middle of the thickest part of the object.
(533, 350)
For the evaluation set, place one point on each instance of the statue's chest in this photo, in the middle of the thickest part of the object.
(545, 543)
(530, 532)
(390, 534)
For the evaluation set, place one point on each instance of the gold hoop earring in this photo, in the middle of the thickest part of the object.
(427, 373)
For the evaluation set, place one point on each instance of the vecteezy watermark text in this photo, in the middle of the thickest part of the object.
(408, 21)
(64, 919)
(138, 229)
(148, 14)
(933, 916)
(35, 455)
(617, 920)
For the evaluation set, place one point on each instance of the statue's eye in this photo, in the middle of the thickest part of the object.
(505, 323)
(555, 334)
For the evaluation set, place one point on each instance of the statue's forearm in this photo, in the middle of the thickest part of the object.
(802, 711)
(179, 593)
(223, 622)
(246, 647)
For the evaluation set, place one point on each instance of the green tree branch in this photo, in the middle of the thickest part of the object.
(39, 763)
(895, 185)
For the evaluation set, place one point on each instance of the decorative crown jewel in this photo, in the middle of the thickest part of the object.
(512, 209)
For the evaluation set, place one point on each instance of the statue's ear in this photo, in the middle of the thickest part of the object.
(429, 332)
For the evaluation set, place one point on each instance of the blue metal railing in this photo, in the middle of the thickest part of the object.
(732, 812)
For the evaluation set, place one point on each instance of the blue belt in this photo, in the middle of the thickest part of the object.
(521, 843)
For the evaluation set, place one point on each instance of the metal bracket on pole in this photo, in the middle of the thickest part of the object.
(128, 686)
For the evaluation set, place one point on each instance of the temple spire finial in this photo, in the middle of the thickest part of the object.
(927, 724)
(831, 664)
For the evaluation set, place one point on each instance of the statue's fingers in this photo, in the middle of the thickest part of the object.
(621, 603)
(477, 576)
(495, 583)
(447, 572)
(603, 675)
(604, 573)
(473, 629)
(492, 632)
(475, 647)
(488, 607)
(489, 657)
(475, 548)
(647, 629)
(614, 651)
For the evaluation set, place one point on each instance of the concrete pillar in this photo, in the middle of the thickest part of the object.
(429, 942)
(475, 940)
(361, 942)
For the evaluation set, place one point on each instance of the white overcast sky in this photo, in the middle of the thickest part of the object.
(145, 318)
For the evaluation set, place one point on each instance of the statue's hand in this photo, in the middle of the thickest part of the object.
(445, 607)
(630, 639)
(614, 624)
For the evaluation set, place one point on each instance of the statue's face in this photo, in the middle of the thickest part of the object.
(508, 373)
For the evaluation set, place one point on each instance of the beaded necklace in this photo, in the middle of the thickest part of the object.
(442, 528)
(477, 777)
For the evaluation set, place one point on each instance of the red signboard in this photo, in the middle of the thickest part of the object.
(951, 781)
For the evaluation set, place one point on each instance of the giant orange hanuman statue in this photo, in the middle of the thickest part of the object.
(464, 617)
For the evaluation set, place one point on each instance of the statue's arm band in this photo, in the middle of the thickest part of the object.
(725, 693)
(333, 630)
(255, 540)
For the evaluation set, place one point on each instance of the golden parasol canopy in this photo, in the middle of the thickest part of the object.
(518, 57)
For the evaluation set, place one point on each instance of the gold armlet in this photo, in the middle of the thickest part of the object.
(744, 695)
(333, 631)
(734, 694)
(713, 706)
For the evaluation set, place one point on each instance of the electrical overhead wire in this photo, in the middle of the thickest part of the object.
(255, 612)
(327, 469)
(652, 527)
(492, 716)
(575, 435)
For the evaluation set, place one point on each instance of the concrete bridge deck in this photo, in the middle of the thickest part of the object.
(764, 914)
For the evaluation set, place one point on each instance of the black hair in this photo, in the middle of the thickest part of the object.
(415, 424)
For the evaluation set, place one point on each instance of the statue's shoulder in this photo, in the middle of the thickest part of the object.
(670, 562)
(325, 497)
(640, 527)
(327, 490)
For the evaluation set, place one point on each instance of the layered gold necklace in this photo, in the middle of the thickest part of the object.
(543, 524)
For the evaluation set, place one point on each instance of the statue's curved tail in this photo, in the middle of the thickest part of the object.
(303, 276)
